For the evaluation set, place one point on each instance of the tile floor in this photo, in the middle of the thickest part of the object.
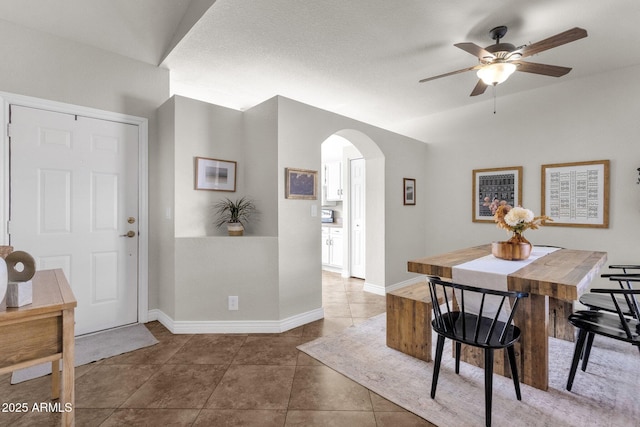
(224, 380)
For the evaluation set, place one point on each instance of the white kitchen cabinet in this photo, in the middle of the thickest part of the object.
(332, 246)
(333, 181)
(325, 245)
(335, 253)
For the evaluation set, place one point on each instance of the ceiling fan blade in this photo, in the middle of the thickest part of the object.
(475, 50)
(544, 69)
(479, 89)
(475, 67)
(554, 41)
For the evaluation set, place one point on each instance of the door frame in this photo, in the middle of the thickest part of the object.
(6, 99)
(350, 214)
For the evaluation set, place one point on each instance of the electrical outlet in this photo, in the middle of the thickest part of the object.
(233, 303)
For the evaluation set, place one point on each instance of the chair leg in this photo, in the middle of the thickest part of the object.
(514, 370)
(458, 351)
(582, 335)
(488, 384)
(587, 351)
(436, 365)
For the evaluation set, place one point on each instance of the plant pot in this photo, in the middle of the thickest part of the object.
(511, 251)
(235, 229)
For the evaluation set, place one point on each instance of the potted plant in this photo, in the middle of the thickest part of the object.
(235, 214)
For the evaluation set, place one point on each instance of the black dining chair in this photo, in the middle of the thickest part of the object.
(486, 328)
(597, 302)
(615, 325)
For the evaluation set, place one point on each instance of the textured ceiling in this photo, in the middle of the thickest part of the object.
(139, 29)
(359, 58)
(363, 58)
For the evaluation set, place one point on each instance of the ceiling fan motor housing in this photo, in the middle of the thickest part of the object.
(499, 50)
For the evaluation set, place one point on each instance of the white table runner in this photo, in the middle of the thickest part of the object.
(491, 273)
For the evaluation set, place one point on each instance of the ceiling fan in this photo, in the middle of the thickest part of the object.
(500, 60)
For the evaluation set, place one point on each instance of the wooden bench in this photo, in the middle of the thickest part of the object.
(409, 320)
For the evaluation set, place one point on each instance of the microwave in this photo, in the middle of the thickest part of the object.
(327, 215)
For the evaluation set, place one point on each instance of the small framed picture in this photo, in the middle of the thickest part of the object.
(409, 191)
(493, 186)
(301, 184)
(215, 175)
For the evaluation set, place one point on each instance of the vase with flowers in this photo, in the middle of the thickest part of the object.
(515, 220)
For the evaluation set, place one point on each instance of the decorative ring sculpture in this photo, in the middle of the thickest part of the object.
(28, 264)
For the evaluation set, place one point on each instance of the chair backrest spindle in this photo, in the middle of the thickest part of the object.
(628, 291)
(623, 321)
(478, 323)
(503, 336)
(433, 291)
(494, 322)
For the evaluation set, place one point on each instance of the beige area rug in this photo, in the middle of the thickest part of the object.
(605, 395)
(94, 347)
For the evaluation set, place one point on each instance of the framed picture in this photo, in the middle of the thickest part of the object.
(492, 186)
(409, 191)
(576, 194)
(301, 184)
(214, 174)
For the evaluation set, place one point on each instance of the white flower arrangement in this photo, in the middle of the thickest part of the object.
(517, 220)
(518, 215)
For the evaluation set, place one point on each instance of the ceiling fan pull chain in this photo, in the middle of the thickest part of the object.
(494, 99)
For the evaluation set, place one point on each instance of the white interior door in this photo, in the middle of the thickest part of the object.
(74, 197)
(357, 213)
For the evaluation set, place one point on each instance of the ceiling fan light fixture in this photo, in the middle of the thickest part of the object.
(496, 73)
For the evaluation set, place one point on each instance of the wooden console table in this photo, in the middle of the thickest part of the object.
(43, 332)
(563, 275)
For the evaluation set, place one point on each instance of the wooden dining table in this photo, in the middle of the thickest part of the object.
(556, 279)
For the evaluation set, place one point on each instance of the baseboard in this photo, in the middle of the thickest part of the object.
(301, 319)
(338, 270)
(235, 326)
(374, 289)
(381, 290)
(404, 283)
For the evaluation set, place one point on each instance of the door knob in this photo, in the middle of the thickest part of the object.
(130, 233)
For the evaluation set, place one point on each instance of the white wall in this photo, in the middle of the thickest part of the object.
(261, 164)
(162, 195)
(210, 269)
(277, 272)
(204, 130)
(44, 66)
(593, 118)
(199, 266)
(302, 129)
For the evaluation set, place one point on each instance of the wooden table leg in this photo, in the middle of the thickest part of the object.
(532, 319)
(68, 370)
(55, 379)
(559, 326)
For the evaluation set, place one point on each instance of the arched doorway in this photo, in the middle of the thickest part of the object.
(374, 206)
